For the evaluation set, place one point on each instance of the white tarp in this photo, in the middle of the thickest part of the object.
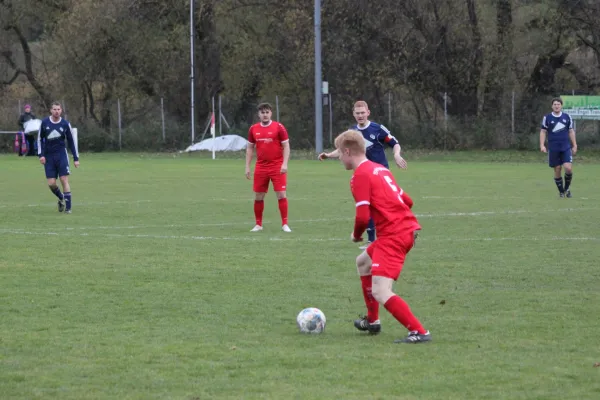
(33, 125)
(222, 143)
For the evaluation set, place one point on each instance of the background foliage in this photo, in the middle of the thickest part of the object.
(491, 58)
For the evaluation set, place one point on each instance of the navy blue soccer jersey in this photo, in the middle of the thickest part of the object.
(376, 137)
(53, 138)
(557, 128)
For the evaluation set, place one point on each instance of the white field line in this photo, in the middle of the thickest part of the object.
(302, 221)
(250, 200)
(260, 237)
(92, 203)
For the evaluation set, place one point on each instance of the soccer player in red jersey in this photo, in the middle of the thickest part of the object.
(378, 196)
(270, 138)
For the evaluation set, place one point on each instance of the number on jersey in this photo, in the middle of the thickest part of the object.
(391, 183)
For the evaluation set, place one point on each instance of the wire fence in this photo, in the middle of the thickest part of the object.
(416, 120)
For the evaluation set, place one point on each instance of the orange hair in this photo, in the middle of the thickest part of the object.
(360, 103)
(352, 140)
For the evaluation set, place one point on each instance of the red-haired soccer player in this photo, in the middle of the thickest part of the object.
(378, 196)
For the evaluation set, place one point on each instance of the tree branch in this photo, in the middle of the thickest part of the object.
(29, 66)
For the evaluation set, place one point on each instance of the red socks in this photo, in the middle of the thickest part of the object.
(401, 311)
(259, 206)
(371, 303)
(283, 210)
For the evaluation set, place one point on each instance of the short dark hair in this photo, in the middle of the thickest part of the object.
(557, 99)
(264, 106)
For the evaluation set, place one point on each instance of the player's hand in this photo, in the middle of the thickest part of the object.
(355, 240)
(323, 156)
(42, 160)
(247, 173)
(543, 149)
(76, 163)
(574, 149)
(283, 168)
(400, 162)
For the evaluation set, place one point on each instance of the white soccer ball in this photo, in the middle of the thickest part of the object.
(311, 320)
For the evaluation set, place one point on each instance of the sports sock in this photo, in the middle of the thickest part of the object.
(568, 178)
(559, 184)
(372, 304)
(283, 210)
(401, 311)
(371, 230)
(259, 206)
(68, 200)
(56, 191)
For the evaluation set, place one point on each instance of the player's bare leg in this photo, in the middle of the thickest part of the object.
(568, 167)
(259, 206)
(283, 210)
(369, 322)
(558, 180)
(382, 292)
(54, 189)
(64, 181)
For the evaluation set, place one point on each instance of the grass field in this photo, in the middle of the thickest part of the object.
(154, 288)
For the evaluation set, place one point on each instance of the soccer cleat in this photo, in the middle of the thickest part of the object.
(286, 228)
(561, 195)
(257, 228)
(364, 246)
(61, 205)
(363, 324)
(415, 337)
(568, 194)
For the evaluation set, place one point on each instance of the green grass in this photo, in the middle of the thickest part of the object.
(155, 289)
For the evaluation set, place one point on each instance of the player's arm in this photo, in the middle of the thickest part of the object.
(71, 142)
(333, 154)
(284, 138)
(249, 154)
(41, 143)
(361, 190)
(286, 156)
(543, 134)
(249, 151)
(406, 198)
(572, 136)
(385, 136)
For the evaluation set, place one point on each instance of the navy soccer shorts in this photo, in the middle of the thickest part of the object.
(57, 164)
(556, 158)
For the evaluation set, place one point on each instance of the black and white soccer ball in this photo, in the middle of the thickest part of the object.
(311, 320)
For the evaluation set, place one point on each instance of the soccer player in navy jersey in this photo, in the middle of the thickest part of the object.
(562, 146)
(53, 136)
(376, 138)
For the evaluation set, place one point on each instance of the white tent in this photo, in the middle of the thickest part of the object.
(33, 125)
(221, 143)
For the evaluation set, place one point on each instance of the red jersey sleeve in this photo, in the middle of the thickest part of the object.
(251, 138)
(361, 190)
(406, 198)
(283, 134)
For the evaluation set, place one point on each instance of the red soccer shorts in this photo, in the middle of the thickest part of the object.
(388, 254)
(262, 177)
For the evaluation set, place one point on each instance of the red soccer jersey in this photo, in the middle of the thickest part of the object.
(375, 186)
(268, 141)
